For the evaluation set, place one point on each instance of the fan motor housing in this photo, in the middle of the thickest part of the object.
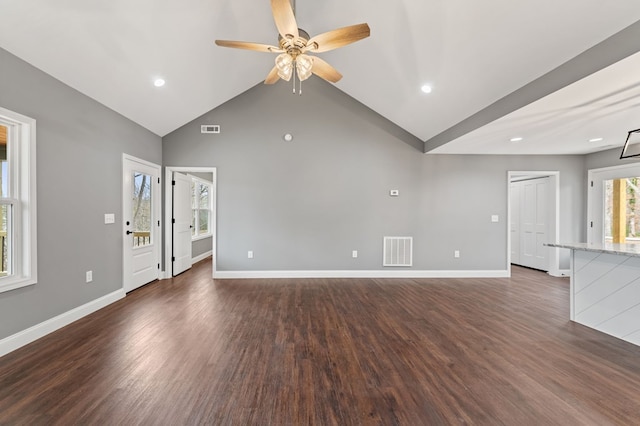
(294, 45)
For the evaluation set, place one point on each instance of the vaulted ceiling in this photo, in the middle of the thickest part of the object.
(474, 55)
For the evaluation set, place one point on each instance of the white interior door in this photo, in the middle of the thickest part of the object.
(530, 211)
(181, 223)
(515, 222)
(528, 217)
(541, 225)
(141, 222)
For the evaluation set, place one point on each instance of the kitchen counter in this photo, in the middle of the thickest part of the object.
(605, 288)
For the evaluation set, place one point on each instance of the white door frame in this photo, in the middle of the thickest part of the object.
(554, 254)
(157, 212)
(168, 242)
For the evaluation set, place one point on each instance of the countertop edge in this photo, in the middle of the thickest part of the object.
(609, 248)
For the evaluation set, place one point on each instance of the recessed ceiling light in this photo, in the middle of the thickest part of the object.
(158, 82)
(426, 88)
(596, 139)
(516, 139)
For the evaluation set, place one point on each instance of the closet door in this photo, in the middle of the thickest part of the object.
(515, 188)
(533, 223)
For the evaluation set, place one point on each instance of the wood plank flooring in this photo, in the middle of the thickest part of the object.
(192, 350)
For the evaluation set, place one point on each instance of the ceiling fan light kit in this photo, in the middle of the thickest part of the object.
(294, 44)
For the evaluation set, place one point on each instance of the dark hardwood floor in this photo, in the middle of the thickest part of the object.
(327, 352)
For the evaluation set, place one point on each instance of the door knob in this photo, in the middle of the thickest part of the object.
(129, 232)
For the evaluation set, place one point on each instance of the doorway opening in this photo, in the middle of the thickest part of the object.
(191, 217)
(533, 220)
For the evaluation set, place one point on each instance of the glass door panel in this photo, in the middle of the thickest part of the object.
(142, 213)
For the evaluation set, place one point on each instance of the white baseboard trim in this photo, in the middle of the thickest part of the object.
(560, 273)
(361, 274)
(24, 337)
(202, 256)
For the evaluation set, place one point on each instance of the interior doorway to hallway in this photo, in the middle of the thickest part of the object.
(170, 248)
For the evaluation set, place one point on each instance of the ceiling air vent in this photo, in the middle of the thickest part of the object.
(210, 128)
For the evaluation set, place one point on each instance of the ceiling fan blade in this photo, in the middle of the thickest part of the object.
(284, 18)
(322, 69)
(248, 46)
(338, 38)
(273, 76)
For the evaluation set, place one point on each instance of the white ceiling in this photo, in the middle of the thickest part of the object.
(604, 105)
(473, 53)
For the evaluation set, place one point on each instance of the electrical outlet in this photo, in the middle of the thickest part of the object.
(250, 254)
(495, 218)
(456, 253)
(89, 276)
(109, 218)
(354, 253)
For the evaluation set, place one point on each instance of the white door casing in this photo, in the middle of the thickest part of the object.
(141, 222)
(181, 257)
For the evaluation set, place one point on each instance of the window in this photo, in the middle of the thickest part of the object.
(17, 201)
(611, 199)
(622, 210)
(200, 208)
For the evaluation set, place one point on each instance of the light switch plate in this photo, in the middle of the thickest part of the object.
(394, 192)
(495, 218)
(109, 218)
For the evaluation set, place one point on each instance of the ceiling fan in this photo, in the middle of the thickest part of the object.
(295, 44)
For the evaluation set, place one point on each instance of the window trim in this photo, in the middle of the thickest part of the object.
(195, 179)
(22, 167)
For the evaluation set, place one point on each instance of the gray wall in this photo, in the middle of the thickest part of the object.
(300, 205)
(608, 158)
(306, 204)
(202, 246)
(79, 178)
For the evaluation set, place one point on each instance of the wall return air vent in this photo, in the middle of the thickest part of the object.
(397, 251)
(210, 128)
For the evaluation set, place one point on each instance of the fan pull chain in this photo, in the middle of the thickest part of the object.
(294, 77)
